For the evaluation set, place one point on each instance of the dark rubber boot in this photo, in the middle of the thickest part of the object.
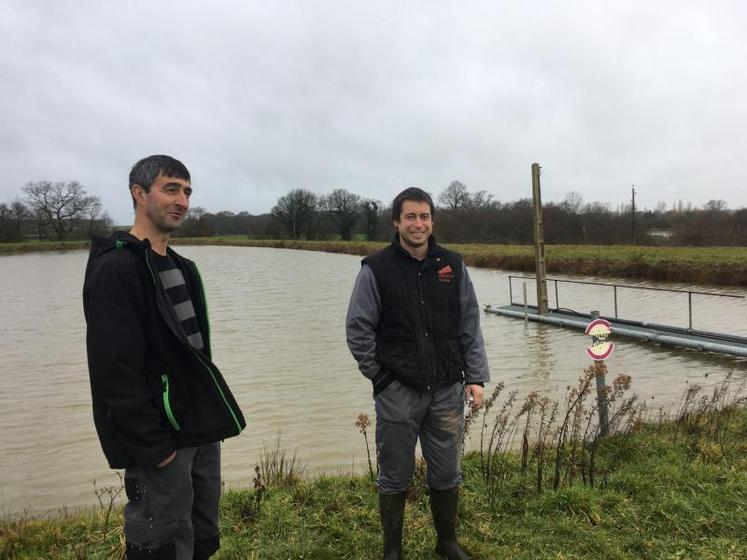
(444, 510)
(392, 511)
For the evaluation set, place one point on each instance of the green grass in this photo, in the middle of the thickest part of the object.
(723, 266)
(41, 246)
(673, 497)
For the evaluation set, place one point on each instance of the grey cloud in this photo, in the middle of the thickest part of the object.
(258, 98)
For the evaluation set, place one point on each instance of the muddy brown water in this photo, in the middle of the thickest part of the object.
(277, 320)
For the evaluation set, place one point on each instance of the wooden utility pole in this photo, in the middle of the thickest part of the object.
(539, 242)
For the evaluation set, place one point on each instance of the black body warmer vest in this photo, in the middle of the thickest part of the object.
(416, 339)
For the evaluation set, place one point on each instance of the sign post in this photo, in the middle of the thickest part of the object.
(600, 350)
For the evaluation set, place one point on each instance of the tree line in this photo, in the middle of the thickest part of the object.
(66, 211)
(59, 210)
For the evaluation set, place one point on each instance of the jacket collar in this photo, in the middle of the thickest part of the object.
(122, 239)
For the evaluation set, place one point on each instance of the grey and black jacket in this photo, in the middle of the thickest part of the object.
(416, 321)
(152, 391)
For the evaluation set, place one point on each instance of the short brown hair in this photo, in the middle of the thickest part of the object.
(410, 193)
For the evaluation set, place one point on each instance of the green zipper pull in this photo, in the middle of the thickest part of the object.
(167, 402)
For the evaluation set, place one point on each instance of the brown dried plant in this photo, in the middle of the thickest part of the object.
(362, 423)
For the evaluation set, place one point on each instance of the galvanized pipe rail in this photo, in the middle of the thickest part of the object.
(627, 286)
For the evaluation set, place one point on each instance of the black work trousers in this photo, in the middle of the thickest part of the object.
(172, 512)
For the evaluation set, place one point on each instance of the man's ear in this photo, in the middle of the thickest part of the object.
(138, 193)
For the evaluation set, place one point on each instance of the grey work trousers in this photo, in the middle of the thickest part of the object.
(172, 512)
(402, 416)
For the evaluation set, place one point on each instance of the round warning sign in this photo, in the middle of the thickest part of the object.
(601, 348)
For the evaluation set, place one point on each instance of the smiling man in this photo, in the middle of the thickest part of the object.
(160, 405)
(413, 326)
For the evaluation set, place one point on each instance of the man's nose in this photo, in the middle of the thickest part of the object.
(182, 199)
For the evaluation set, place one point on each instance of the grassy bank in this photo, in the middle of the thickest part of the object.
(721, 266)
(41, 246)
(665, 490)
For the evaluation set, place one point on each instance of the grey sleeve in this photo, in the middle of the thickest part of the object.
(361, 321)
(470, 334)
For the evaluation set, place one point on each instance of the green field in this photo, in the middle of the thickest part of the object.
(721, 266)
(674, 494)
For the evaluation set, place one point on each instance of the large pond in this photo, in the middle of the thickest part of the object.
(277, 320)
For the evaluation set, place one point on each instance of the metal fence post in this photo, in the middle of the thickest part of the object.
(557, 305)
(510, 291)
(600, 371)
(615, 301)
(690, 309)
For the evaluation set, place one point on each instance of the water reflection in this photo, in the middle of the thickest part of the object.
(540, 350)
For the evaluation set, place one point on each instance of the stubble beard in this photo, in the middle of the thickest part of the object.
(162, 223)
(408, 242)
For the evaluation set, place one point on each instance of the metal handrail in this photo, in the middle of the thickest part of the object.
(615, 286)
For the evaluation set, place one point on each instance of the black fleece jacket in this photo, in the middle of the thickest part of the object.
(152, 391)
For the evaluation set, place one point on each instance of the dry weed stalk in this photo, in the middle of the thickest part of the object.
(111, 493)
(710, 415)
(574, 404)
(278, 468)
(259, 487)
(362, 423)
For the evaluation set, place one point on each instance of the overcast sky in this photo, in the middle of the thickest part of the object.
(257, 98)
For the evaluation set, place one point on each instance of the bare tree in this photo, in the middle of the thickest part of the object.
(455, 196)
(371, 212)
(716, 205)
(199, 223)
(479, 200)
(6, 223)
(296, 211)
(343, 208)
(93, 214)
(59, 205)
(19, 212)
(573, 202)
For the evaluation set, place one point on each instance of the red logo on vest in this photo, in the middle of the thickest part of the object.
(445, 274)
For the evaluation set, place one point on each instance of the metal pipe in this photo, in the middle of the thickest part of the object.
(673, 340)
(635, 287)
(526, 309)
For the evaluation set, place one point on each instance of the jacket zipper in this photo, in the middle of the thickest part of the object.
(167, 402)
(207, 321)
(191, 348)
(421, 297)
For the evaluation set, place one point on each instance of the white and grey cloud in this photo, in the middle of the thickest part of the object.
(258, 98)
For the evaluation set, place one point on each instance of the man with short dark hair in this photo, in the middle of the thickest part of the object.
(413, 326)
(160, 405)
